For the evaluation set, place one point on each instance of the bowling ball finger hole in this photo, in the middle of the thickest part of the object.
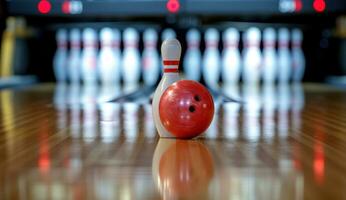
(197, 98)
(192, 109)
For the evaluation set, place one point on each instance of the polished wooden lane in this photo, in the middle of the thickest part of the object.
(64, 142)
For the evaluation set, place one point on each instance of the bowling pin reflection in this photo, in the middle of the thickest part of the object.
(109, 92)
(130, 120)
(60, 103)
(297, 105)
(182, 169)
(110, 121)
(149, 126)
(284, 98)
(74, 102)
(269, 106)
(252, 108)
(213, 131)
(231, 112)
(89, 101)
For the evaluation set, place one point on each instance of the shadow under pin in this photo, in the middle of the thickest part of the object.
(135, 95)
(218, 93)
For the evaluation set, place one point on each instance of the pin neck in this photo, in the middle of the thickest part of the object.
(106, 44)
(75, 45)
(296, 45)
(62, 45)
(231, 45)
(171, 66)
(130, 45)
(193, 45)
(251, 44)
(283, 44)
(150, 45)
(211, 44)
(90, 45)
(115, 44)
(269, 45)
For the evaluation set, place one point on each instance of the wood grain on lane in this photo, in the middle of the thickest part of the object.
(58, 142)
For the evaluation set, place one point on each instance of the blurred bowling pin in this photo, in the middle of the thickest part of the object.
(109, 57)
(211, 58)
(231, 57)
(89, 56)
(150, 59)
(74, 57)
(269, 56)
(60, 57)
(298, 59)
(284, 58)
(131, 58)
(170, 51)
(192, 59)
(252, 56)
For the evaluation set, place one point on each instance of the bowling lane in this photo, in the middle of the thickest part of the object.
(64, 142)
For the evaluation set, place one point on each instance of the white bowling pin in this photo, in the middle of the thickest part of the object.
(269, 63)
(231, 60)
(109, 59)
(74, 57)
(89, 56)
(170, 51)
(284, 58)
(150, 58)
(252, 56)
(298, 59)
(60, 57)
(131, 58)
(192, 59)
(211, 58)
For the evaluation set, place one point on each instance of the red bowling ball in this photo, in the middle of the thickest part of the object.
(186, 109)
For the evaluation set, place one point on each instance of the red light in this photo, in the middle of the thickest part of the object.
(298, 5)
(44, 6)
(66, 7)
(173, 6)
(319, 5)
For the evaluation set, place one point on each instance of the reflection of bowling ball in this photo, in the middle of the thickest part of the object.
(185, 170)
(186, 109)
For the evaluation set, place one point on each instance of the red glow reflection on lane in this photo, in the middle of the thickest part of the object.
(319, 163)
(319, 156)
(44, 160)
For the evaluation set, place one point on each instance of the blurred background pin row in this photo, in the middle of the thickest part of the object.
(79, 57)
